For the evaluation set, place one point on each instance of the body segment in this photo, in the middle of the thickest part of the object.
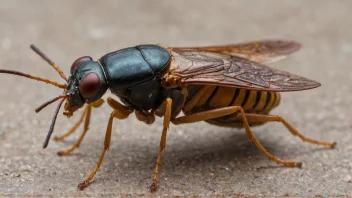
(260, 102)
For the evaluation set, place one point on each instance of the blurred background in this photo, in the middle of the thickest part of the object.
(200, 159)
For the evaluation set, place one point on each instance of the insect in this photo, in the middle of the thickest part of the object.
(222, 85)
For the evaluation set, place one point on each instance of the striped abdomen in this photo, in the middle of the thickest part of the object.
(261, 102)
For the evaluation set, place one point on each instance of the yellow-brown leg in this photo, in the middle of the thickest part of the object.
(260, 118)
(120, 112)
(86, 112)
(98, 103)
(145, 116)
(85, 129)
(95, 104)
(167, 117)
(73, 129)
(216, 113)
(194, 100)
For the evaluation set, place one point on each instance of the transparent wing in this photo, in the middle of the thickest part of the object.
(265, 51)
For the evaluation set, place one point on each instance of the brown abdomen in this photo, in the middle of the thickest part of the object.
(261, 102)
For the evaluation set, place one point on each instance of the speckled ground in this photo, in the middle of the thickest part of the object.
(199, 159)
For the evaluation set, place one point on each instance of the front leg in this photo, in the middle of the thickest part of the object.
(86, 113)
(95, 104)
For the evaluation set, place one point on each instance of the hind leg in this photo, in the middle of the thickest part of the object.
(260, 118)
(220, 112)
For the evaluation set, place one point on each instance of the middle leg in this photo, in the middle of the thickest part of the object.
(120, 112)
(167, 117)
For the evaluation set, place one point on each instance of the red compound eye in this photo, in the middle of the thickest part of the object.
(89, 85)
(79, 61)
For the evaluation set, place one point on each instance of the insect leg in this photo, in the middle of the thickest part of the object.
(120, 112)
(73, 129)
(95, 104)
(206, 115)
(146, 117)
(98, 103)
(87, 112)
(85, 129)
(216, 113)
(194, 100)
(259, 118)
(167, 117)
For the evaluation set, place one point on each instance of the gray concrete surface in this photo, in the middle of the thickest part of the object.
(199, 159)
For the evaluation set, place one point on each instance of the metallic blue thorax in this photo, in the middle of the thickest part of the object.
(133, 74)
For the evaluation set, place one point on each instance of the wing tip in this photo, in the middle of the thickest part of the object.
(283, 46)
(316, 84)
(294, 46)
(312, 85)
(306, 84)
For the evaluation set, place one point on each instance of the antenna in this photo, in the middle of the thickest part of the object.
(51, 129)
(62, 86)
(41, 54)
